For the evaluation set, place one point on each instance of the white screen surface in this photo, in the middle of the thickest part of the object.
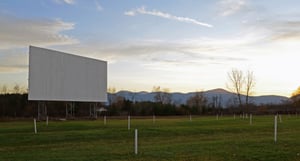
(58, 76)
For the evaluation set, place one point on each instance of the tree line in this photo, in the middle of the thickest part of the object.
(14, 102)
(17, 105)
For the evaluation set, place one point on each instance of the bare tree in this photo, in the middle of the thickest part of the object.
(162, 96)
(16, 88)
(236, 83)
(167, 97)
(241, 84)
(296, 92)
(111, 90)
(217, 101)
(250, 83)
(296, 96)
(112, 95)
(198, 101)
(4, 89)
(158, 94)
(133, 95)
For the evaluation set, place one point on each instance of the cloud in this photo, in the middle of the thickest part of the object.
(284, 30)
(230, 7)
(186, 58)
(12, 61)
(129, 13)
(209, 51)
(142, 10)
(12, 68)
(70, 2)
(22, 32)
(98, 6)
(164, 55)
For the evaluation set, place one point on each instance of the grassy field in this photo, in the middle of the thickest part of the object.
(170, 138)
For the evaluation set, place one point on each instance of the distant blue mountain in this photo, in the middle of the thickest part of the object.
(225, 98)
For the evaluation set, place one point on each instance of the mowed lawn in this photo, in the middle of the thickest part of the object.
(169, 138)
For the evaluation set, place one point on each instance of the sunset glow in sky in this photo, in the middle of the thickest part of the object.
(183, 45)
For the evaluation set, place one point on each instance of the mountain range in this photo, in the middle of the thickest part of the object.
(225, 98)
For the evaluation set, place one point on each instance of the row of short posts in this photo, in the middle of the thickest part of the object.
(136, 130)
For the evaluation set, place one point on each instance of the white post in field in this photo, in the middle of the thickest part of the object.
(280, 120)
(275, 129)
(104, 121)
(217, 116)
(190, 117)
(136, 141)
(128, 122)
(34, 123)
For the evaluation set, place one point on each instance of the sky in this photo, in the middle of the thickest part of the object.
(182, 45)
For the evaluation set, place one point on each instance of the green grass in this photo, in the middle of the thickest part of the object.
(170, 138)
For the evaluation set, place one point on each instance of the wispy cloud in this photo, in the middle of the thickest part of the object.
(70, 2)
(98, 6)
(230, 7)
(209, 51)
(282, 28)
(142, 10)
(12, 61)
(130, 13)
(21, 32)
(285, 30)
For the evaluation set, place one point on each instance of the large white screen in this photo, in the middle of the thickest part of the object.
(58, 76)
